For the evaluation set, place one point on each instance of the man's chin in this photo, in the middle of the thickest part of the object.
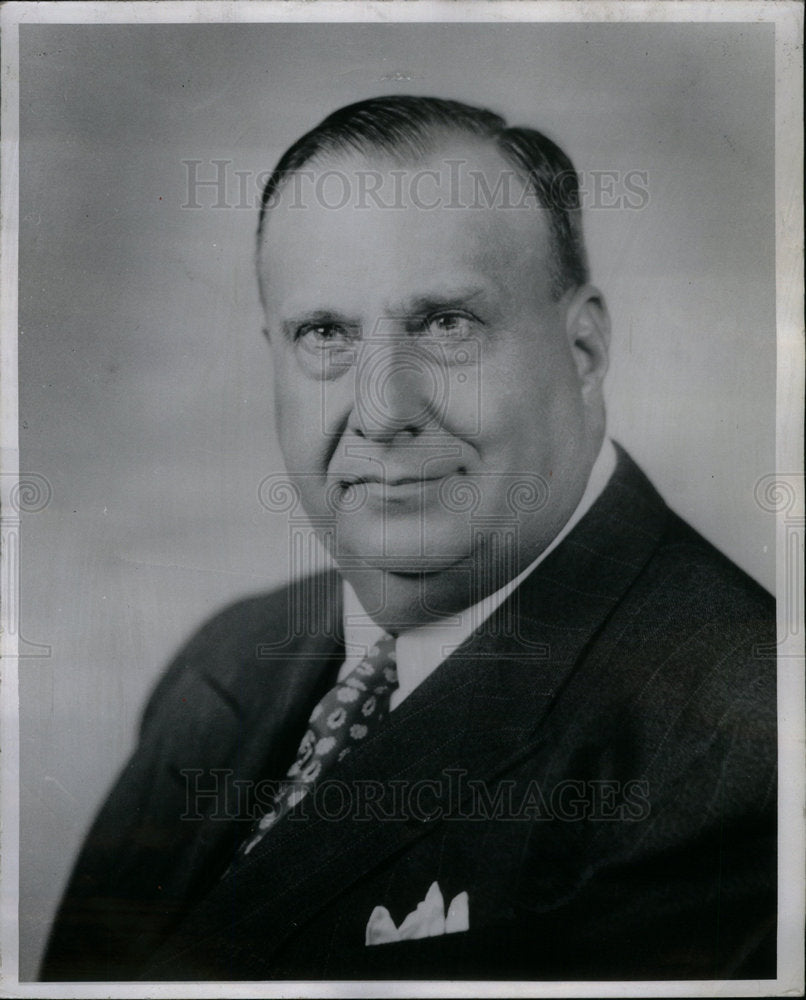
(401, 598)
(403, 553)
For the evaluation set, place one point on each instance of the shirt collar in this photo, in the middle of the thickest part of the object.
(420, 650)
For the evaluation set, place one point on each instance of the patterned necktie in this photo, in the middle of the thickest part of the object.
(346, 715)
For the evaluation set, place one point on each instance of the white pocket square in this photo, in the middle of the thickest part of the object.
(427, 920)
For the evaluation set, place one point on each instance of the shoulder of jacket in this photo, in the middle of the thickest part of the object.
(224, 651)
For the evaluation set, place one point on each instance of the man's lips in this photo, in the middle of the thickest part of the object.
(391, 481)
(391, 476)
(408, 475)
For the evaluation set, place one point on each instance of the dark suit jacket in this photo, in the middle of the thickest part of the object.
(595, 766)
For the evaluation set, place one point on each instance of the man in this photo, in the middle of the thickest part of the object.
(528, 730)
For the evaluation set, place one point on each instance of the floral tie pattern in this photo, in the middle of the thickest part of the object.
(347, 714)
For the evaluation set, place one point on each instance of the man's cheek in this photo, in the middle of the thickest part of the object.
(305, 448)
(297, 413)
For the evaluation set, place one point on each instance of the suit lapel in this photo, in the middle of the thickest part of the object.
(480, 713)
(265, 693)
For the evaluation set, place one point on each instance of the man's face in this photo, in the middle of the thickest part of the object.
(432, 403)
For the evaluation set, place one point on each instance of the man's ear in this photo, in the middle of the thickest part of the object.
(587, 326)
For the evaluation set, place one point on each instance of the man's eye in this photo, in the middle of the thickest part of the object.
(326, 334)
(451, 325)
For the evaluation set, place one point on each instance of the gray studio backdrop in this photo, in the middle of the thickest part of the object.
(146, 386)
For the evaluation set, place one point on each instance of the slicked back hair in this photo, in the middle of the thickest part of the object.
(411, 126)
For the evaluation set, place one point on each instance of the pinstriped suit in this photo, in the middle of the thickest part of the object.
(600, 779)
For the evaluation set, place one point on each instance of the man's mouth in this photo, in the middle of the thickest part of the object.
(391, 482)
(403, 479)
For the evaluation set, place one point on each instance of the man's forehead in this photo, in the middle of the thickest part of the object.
(457, 195)
(455, 170)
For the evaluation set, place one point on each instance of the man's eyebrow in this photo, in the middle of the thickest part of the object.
(447, 298)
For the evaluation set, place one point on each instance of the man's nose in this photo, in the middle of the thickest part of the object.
(398, 389)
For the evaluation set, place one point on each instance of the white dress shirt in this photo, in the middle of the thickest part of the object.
(420, 650)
